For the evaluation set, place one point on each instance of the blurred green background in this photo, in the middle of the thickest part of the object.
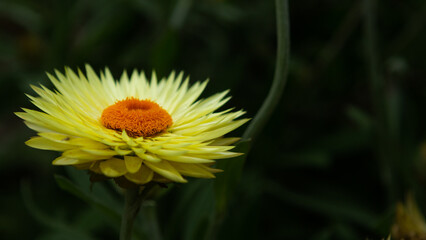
(328, 165)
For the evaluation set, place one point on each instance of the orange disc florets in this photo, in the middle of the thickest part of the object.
(140, 118)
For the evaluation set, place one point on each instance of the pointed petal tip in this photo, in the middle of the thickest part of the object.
(62, 161)
(183, 180)
(18, 114)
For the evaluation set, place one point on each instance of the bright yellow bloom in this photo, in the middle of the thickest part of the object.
(133, 128)
(409, 222)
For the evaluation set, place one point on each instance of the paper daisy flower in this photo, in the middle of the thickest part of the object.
(133, 129)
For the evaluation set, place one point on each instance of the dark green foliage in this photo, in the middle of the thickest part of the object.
(313, 173)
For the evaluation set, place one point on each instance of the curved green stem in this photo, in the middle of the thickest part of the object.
(280, 75)
(133, 200)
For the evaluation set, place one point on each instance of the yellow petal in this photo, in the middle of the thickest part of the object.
(79, 154)
(212, 170)
(48, 121)
(46, 144)
(222, 130)
(142, 176)
(56, 137)
(146, 156)
(133, 164)
(87, 143)
(166, 170)
(192, 170)
(62, 160)
(122, 151)
(224, 141)
(150, 147)
(208, 149)
(187, 159)
(218, 155)
(176, 145)
(100, 152)
(128, 139)
(167, 152)
(113, 167)
(83, 166)
(36, 127)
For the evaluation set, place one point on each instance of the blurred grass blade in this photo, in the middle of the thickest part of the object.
(56, 236)
(21, 14)
(359, 117)
(44, 219)
(226, 182)
(330, 207)
(179, 13)
(193, 213)
(386, 147)
(70, 187)
(149, 220)
(200, 214)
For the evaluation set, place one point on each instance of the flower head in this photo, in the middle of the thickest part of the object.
(409, 222)
(132, 129)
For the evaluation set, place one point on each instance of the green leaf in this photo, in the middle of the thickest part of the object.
(226, 182)
(93, 200)
(99, 196)
(52, 223)
(99, 190)
(194, 211)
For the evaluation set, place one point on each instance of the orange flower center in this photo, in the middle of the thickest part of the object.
(140, 118)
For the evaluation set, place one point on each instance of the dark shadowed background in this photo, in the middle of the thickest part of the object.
(315, 172)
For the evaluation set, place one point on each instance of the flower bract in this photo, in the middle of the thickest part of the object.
(136, 129)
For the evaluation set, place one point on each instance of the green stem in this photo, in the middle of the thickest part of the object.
(133, 200)
(280, 75)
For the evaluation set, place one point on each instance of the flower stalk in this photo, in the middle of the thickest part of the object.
(280, 75)
(132, 203)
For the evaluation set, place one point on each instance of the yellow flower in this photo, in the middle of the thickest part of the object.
(409, 222)
(133, 128)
